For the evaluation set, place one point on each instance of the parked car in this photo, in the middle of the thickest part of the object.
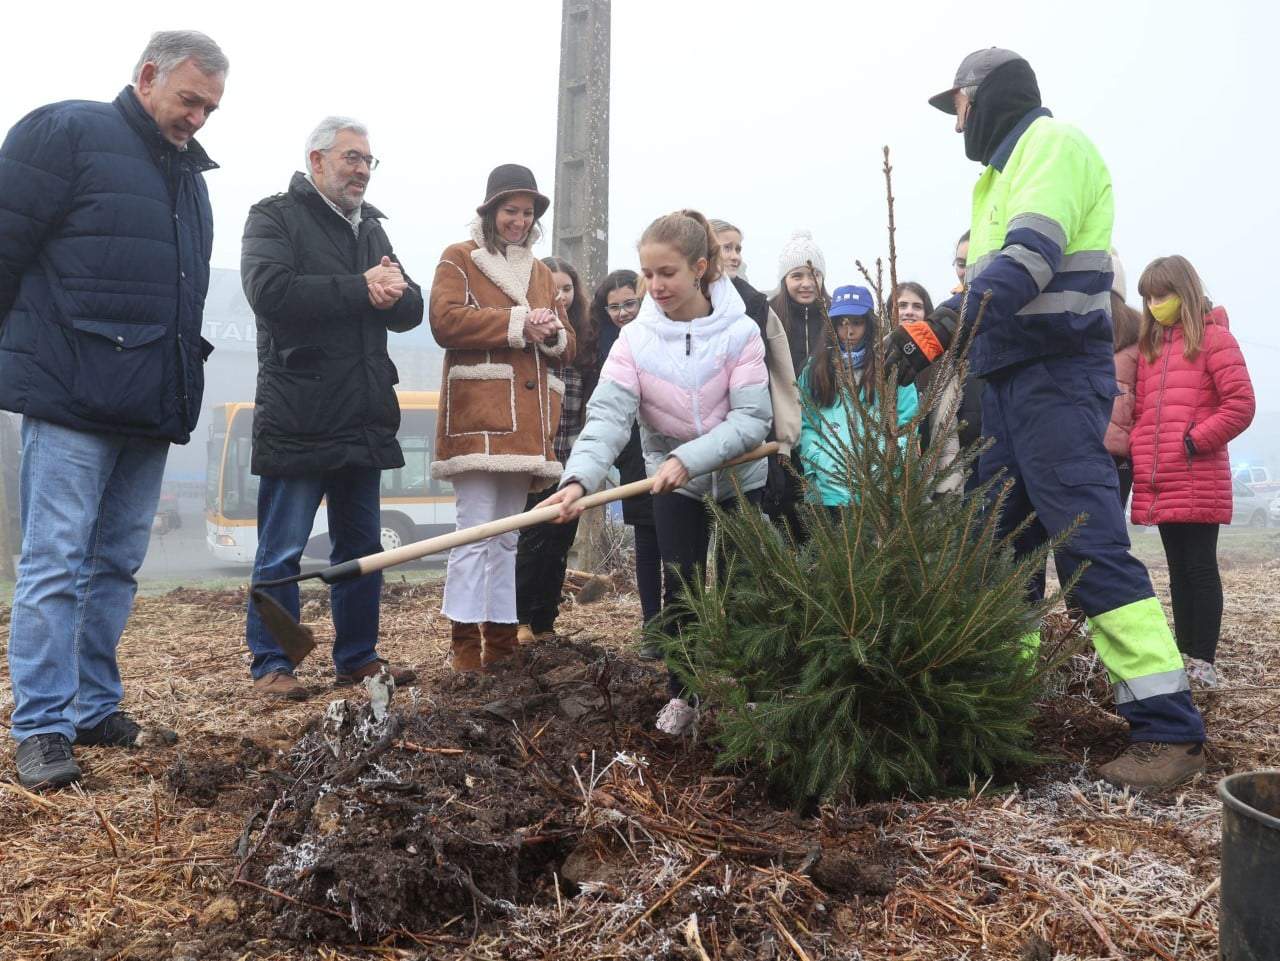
(167, 518)
(1258, 479)
(1249, 508)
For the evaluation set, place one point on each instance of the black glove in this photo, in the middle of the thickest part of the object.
(1190, 445)
(781, 490)
(913, 347)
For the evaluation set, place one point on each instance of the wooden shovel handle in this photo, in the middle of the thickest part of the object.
(515, 522)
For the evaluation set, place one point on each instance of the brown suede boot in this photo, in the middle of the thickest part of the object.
(401, 675)
(1147, 766)
(465, 647)
(280, 686)
(501, 647)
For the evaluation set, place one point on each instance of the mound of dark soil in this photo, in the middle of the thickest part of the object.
(457, 803)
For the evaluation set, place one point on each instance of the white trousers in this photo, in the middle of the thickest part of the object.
(480, 584)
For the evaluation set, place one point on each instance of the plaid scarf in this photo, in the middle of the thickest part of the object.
(570, 412)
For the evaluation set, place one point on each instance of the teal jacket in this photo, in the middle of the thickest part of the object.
(819, 450)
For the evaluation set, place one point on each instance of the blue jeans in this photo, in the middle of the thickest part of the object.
(87, 504)
(286, 511)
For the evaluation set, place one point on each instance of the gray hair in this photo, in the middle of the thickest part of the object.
(168, 48)
(326, 133)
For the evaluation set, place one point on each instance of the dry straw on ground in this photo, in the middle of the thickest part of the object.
(659, 855)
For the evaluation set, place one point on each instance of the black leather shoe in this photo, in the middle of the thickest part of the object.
(120, 730)
(45, 762)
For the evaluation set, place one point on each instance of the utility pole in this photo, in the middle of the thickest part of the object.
(581, 233)
(581, 230)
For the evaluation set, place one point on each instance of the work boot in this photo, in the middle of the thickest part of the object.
(401, 675)
(501, 649)
(118, 729)
(1150, 766)
(280, 686)
(524, 634)
(45, 762)
(465, 647)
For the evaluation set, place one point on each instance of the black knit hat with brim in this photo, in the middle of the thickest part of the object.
(513, 179)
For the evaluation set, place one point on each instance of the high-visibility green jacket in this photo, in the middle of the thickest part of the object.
(1040, 241)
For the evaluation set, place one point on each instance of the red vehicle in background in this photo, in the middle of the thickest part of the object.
(167, 518)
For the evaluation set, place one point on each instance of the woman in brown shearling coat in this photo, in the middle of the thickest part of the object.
(493, 309)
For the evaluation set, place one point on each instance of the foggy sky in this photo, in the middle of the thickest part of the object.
(768, 115)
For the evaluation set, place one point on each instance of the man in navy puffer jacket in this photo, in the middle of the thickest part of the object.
(105, 238)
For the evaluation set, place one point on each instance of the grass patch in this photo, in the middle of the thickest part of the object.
(1237, 546)
(153, 587)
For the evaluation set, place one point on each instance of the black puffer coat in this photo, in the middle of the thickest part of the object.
(326, 385)
(105, 236)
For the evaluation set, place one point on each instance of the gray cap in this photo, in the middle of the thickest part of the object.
(974, 69)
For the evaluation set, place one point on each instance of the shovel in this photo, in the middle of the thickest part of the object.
(297, 640)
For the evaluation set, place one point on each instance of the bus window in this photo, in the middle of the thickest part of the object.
(416, 429)
(213, 459)
(441, 487)
(239, 486)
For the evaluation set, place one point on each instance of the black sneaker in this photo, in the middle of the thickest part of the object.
(120, 730)
(45, 762)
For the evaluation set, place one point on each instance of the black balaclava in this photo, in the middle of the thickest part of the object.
(1006, 96)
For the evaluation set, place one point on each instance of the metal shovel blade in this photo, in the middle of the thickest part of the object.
(296, 640)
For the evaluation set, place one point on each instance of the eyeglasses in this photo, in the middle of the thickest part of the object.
(354, 158)
(627, 305)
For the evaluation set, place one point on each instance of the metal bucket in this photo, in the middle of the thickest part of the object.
(1249, 919)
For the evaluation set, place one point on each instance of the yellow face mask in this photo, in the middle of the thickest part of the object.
(1167, 311)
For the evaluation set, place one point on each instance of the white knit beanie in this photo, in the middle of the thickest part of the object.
(1118, 280)
(799, 251)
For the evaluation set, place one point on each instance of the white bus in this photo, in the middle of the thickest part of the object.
(414, 505)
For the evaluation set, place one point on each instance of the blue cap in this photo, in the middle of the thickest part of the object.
(851, 301)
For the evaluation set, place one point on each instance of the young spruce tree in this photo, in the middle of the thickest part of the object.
(890, 652)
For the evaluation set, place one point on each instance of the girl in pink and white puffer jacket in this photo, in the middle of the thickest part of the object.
(691, 368)
(699, 389)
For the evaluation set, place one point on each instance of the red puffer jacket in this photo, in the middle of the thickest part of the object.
(1117, 439)
(1209, 398)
